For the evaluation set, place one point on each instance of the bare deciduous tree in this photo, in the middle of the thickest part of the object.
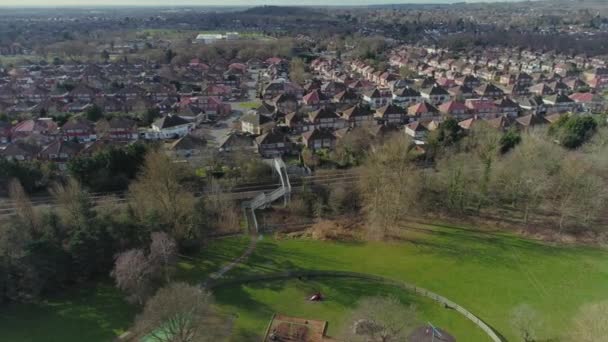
(75, 206)
(591, 323)
(133, 274)
(297, 71)
(390, 185)
(157, 191)
(163, 252)
(526, 321)
(26, 214)
(381, 319)
(182, 313)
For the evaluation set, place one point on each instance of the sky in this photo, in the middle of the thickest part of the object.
(91, 3)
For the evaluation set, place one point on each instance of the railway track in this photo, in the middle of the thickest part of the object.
(7, 207)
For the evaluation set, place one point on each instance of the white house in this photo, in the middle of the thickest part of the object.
(406, 96)
(172, 126)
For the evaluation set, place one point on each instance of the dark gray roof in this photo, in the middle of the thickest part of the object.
(170, 121)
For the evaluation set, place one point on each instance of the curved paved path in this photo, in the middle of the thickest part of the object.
(238, 260)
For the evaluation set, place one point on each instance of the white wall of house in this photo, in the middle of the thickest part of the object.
(171, 132)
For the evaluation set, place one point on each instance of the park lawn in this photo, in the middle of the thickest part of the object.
(89, 313)
(254, 304)
(489, 273)
(220, 252)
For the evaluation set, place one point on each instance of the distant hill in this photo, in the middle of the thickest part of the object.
(284, 11)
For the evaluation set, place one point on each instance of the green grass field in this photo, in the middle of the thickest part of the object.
(486, 272)
(254, 305)
(248, 105)
(91, 313)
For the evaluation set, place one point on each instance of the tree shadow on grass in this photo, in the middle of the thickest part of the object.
(270, 257)
(241, 304)
(92, 313)
(488, 248)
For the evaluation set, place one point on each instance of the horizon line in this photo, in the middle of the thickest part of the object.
(410, 2)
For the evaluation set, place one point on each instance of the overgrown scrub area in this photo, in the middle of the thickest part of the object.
(109, 169)
(48, 251)
(536, 179)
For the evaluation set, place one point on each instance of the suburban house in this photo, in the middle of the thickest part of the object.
(541, 89)
(117, 128)
(406, 96)
(296, 122)
(533, 104)
(19, 151)
(236, 141)
(489, 91)
(315, 99)
(469, 81)
(502, 122)
(589, 102)
(130, 92)
(281, 86)
(83, 93)
(422, 110)
(266, 108)
(346, 97)
(60, 152)
(171, 127)
(521, 79)
(81, 130)
(325, 118)
(507, 107)
(416, 130)
(516, 90)
(333, 87)
(319, 139)
(530, 120)
(435, 94)
(454, 109)
(256, 124)
(559, 103)
(285, 103)
(273, 144)
(357, 115)
(391, 114)
(186, 146)
(375, 98)
(40, 126)
(484, 108)
(461, 92)
(597, 79)
(469, 123)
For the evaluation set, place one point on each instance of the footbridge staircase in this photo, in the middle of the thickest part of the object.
(264, 200)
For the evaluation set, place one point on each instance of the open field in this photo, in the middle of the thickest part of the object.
(488, 273)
